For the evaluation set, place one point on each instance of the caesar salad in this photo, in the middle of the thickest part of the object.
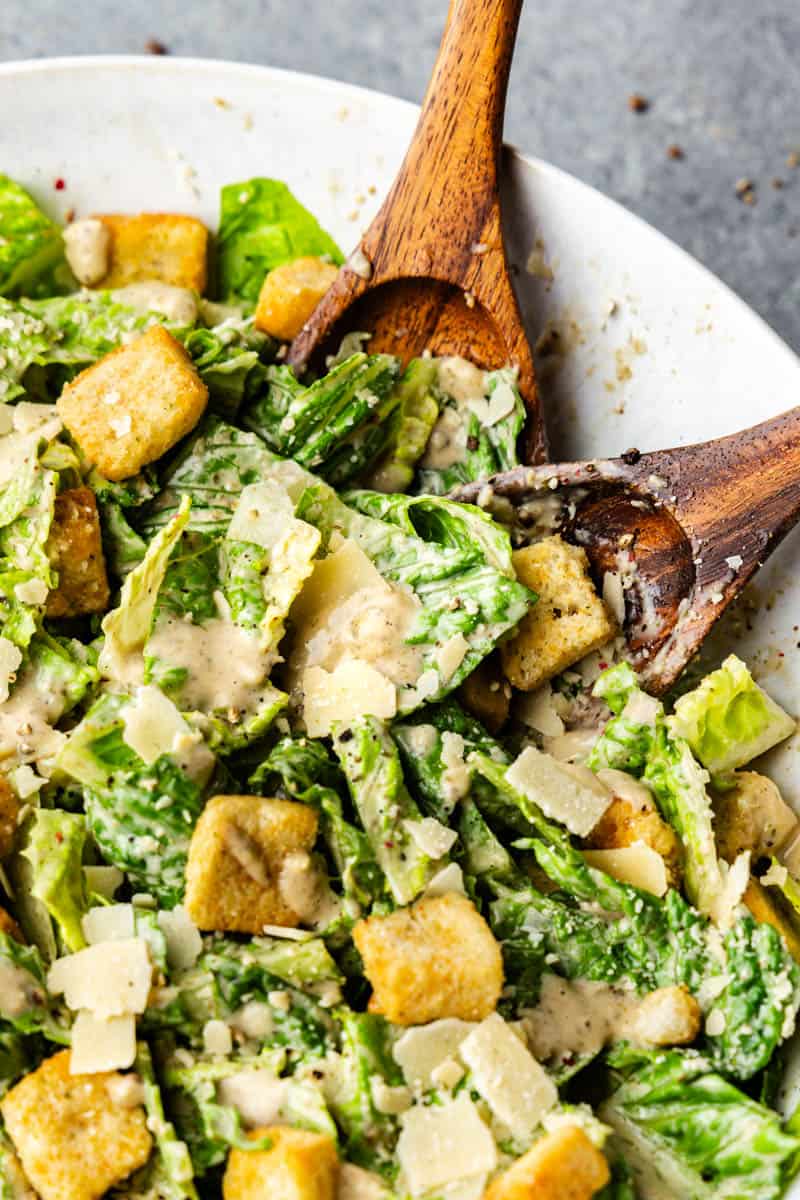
(343, 857)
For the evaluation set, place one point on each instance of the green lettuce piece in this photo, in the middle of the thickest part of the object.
(303, 769)
(38, 1015)
(408, 429)
(758, 1007)
(697, 1132)
(261, 226)
(338, 425)
(487, 448)
(230, 359)
(127, 627)
(370, 1135)
(54, 848)
(453, 557)
(25, 342)
(728, 719)
(31, 245)
(26, 517)
(371, 765)
(641, 740)
(169, 1175)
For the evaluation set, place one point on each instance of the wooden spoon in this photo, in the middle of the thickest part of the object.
(689, 527)
(431, 271)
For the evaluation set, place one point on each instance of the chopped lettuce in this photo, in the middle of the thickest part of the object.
(728, 719)
(54, 844)
(169, 1174)
(31, 245)
(371, 764)
(408, 428)
(695, 1131)
(261, 226)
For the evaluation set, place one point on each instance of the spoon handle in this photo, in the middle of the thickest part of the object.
(443, 207)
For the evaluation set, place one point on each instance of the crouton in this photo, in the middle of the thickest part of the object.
(563, 1165)
(289, 295)
(134, 404)
(632, 818)
(752, 816)
(239, 846)
(669, 1016)
(165, 246)
(73, 1140)
(300, 1166)
(767, 906)
(9, 817)
(486, 694)
(75, 550)
(436, 959)
(568, 622)
(9, 925)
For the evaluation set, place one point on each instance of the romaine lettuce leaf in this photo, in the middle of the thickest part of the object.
(53, 846)
(31, 246)
(696, 1131)
(169, 1174)
(728, 719)
(408, 429)
(261, 226)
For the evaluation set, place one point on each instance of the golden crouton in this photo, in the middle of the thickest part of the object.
(486, 694)
(289, 295)
(436, 959)
(300, 1166)
(568, 622)
(134, 404)
(630, 820)
(9, 817)
(563, 1165)
(239, 846)
(669, 1016)
(9, 925)
(75, 550)
(164, 246)
(752, 816)
(73, 1140)
(767, 906)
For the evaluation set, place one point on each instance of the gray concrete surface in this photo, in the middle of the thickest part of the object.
(722, 78)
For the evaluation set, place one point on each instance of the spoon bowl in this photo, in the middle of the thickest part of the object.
(676, 533)
(430, 273)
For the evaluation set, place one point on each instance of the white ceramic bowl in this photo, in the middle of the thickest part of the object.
(654, 350)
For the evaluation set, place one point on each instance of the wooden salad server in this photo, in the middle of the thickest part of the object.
(686, 529)
(431, 271)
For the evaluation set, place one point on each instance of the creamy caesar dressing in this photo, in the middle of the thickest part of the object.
(370, 625)
(26, 721)
(224, 665)
(304, 889)
(447, 444)
(457, 776)
(175, 303)
(20, 991)
(576, 1017)
(247, 854)
(87, 247)
(461, 379)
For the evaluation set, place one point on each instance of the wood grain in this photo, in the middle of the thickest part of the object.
(438, 277)
(696, 522)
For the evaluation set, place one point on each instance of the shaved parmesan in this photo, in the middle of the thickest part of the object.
(152, 724)
(103, 881)
(26, 781)
(537, 711)
(564, 792)
(10, 659)
(32, 591)
(449, 879)
(334, 579)
(263, 515)
(450, 656)
(614, 595)
(259, 1098)
(432, 838)
(111, 923)
(108, 979)
(422, 1048)
(638, 864)
(102, 1045)
(442, 1144)
(353, 689)
(501, 404)
(735, 879)
(184, 943)
(217, 1037)
(29, 416)
(515, 1086)
(357, 1184)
